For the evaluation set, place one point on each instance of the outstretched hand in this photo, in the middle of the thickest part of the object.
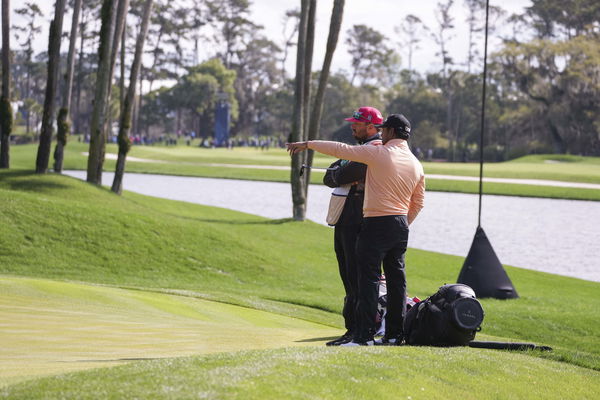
(296, 147)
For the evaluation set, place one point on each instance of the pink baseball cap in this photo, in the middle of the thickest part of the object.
(370, 115)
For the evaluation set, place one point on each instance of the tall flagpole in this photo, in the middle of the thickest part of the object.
(482, 269)
(483, 98)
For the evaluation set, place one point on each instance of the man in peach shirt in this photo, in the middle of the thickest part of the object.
(394, 195)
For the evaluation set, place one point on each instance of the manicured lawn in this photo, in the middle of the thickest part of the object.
(237, 164)
(56, 227)
(324, 373)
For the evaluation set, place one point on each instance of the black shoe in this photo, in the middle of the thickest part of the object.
(345, 338)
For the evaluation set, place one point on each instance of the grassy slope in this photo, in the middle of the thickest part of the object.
(66, 326)
(193, 161)
(321, 373)
(61, 228)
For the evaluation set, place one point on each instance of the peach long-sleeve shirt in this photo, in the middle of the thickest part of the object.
(395, 183)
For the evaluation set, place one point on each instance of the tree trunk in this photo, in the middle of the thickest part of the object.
(557, 140)
(43, 154)
(308, 56)
(317, 110)
(125, 120)
(63, 122)
(5, 107)
(103, 80)
(297, 134)
(120, 23)
(122, 73)
(79, 79)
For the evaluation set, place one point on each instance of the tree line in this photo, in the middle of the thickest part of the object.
(544, 82)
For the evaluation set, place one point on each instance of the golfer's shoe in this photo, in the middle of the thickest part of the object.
(353, 343)
(389, 341)
(345, 338)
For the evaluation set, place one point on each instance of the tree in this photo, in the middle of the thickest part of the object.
(298, 121)
(101, 98)
(231, 18)
(564, 19)
(561, 81)
(475, 9)
(5, 107)
(413, 28)
(257, 78)
(200, 16)
(120, 22)
(317, 110)
(43, 154)
(84, 87)
(198, 92)
(370, 56)
(443, 35)
(125, 120)
(63, 121)
(291, 18)
(30, 12)
(476, 23)
(441, 38)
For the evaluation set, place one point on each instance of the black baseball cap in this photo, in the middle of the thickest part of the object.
(397, 121)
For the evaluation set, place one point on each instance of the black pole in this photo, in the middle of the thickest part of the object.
(485, 47)
(482, 269)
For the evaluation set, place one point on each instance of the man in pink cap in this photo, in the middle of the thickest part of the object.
(348, 180)
(394, 195)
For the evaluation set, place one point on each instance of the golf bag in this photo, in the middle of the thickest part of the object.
(450, 317)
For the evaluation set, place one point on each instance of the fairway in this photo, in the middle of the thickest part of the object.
(51, 327)
(165, 299)
(273, 165)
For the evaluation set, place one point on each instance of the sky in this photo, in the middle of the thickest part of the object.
(382, 15)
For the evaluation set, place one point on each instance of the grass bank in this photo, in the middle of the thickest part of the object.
(63, 229)
(233, 164)
(310, 373)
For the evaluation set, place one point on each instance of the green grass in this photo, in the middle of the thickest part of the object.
(194, 161)
(56, 227)
(311, 373)
(550, 167)
(66, 326)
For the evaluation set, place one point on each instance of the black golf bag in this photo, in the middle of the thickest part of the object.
(450, 317)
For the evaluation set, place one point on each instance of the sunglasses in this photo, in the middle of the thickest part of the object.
(358, 115)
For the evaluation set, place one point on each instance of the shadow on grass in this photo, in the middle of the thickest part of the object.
(25, 180)
(317, 339)
(241, 222)
(118, 359)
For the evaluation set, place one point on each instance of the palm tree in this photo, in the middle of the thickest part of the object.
(306, 125)
(63, 122)
(43, 154)
(298, 130)
(125, 120)
(103, 81)
(5, 107)
(317, 110)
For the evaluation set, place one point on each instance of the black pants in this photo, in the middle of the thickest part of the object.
(381, 239)
(345, 237)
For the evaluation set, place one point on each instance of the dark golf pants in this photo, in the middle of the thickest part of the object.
(345, 237)
(381, 239)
